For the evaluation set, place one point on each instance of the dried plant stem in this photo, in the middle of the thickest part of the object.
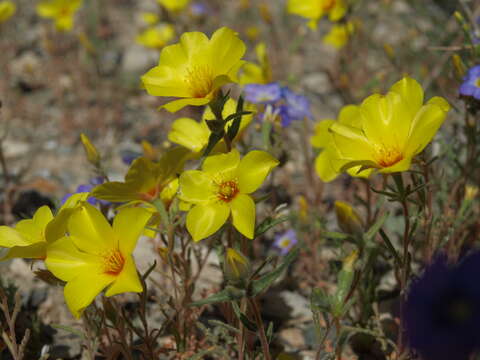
(261, 329)
(16, 350)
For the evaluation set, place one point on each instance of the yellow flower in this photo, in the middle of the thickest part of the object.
(96, 255)
(150, 18)
(393, 129)
(146, 180)
(316, 9)
(62, 11)
(222, 189)
(195, 68)
(93, 156)
(348, 219)
(27, 239)
(7, 9)
(194, 135)
(257, 74)
(328, 163)
(339, 35)
(156, 37)
(174, 5)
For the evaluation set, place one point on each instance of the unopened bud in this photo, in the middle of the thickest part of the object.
(237, 266)
(348, 219)
(93, 155)
(459, 66)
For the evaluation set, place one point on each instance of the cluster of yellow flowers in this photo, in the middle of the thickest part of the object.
(336, 10)
(382, 134)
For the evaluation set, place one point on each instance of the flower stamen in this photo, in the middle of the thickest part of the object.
(199, 80)
(113, 262)
(227, 190)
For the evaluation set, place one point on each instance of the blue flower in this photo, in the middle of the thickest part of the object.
(87, 188)
(199, 9)
(296, 107)
(285, 241)
(262, 94)
(442, 311)
(471, 83)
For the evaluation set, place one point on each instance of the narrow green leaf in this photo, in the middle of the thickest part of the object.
(368, 236)
(212, 141)
(268, 223)
(260, 285)
(226, 295)
(243, 318)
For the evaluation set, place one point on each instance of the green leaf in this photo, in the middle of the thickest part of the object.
(369, 235)
(260, 285)
(243, 318)
(268, 223)
(213, 139)
(226, 295)
(232, 130)
(345, 279)
(390, 247)
(320, 300)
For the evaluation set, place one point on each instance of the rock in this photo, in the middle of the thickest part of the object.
(293, 337)
(137, 59)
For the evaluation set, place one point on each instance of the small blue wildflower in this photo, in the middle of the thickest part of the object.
(199, 9)
(442, 311)
(129, 156)
(285, 241)
(471, 83)
(262, 94)
(87, 188)
(296, 107)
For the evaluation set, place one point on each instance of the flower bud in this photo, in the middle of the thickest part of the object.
(93, 155)
(348, 219)
(471, 191)
(236, 266)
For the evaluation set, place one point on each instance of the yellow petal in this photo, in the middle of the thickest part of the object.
(43, 216)
(386, 120)
(65, 261)
(221, 163)
(174, 106)
(128, 225)
(196, 186)
(324, 166)
(205, 220)
(350, 115)
(351, 143)
(411, 92)
(82, 290)
(127, 280)
(253, 169)
(162, 80)
(10, 237)
(34, 251)
(425, 126)
(339, 10)
(243, 214)
(189, 133)
(322, 137)
(402, 165)
(90, 231)
(226, 49)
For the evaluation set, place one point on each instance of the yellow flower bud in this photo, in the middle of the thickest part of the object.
(302, 208)
(236, 266)
(93, 155)
(348, 219)
(459, 66)
(471, 192)
(349, 261)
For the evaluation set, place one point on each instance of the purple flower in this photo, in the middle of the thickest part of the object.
(129, 156)
(87, 188)
(296, 107)
(262, 94)
(199, 9)
(285, 241)
(471, 83)
(442, 311)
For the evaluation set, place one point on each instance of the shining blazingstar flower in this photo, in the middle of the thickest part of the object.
(7, 9)
(316, 9)
(339, 35)
(194, 135)
(221, 189)
(27, 239)
(62, 11)
(296, 107)
(174, 5)
(257, 74)
(392, 128)
(442, 311)
(471, 83)
(262, 94)
(285, 241)
(96, 254)
(156, 37)
(196, 68)
(328, 163)
(146, 180)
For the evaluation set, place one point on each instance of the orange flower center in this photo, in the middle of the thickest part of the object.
(387, 157)
(151, 194)
(200, 81)
(227, 190)
(113, 262)
(328, 5)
